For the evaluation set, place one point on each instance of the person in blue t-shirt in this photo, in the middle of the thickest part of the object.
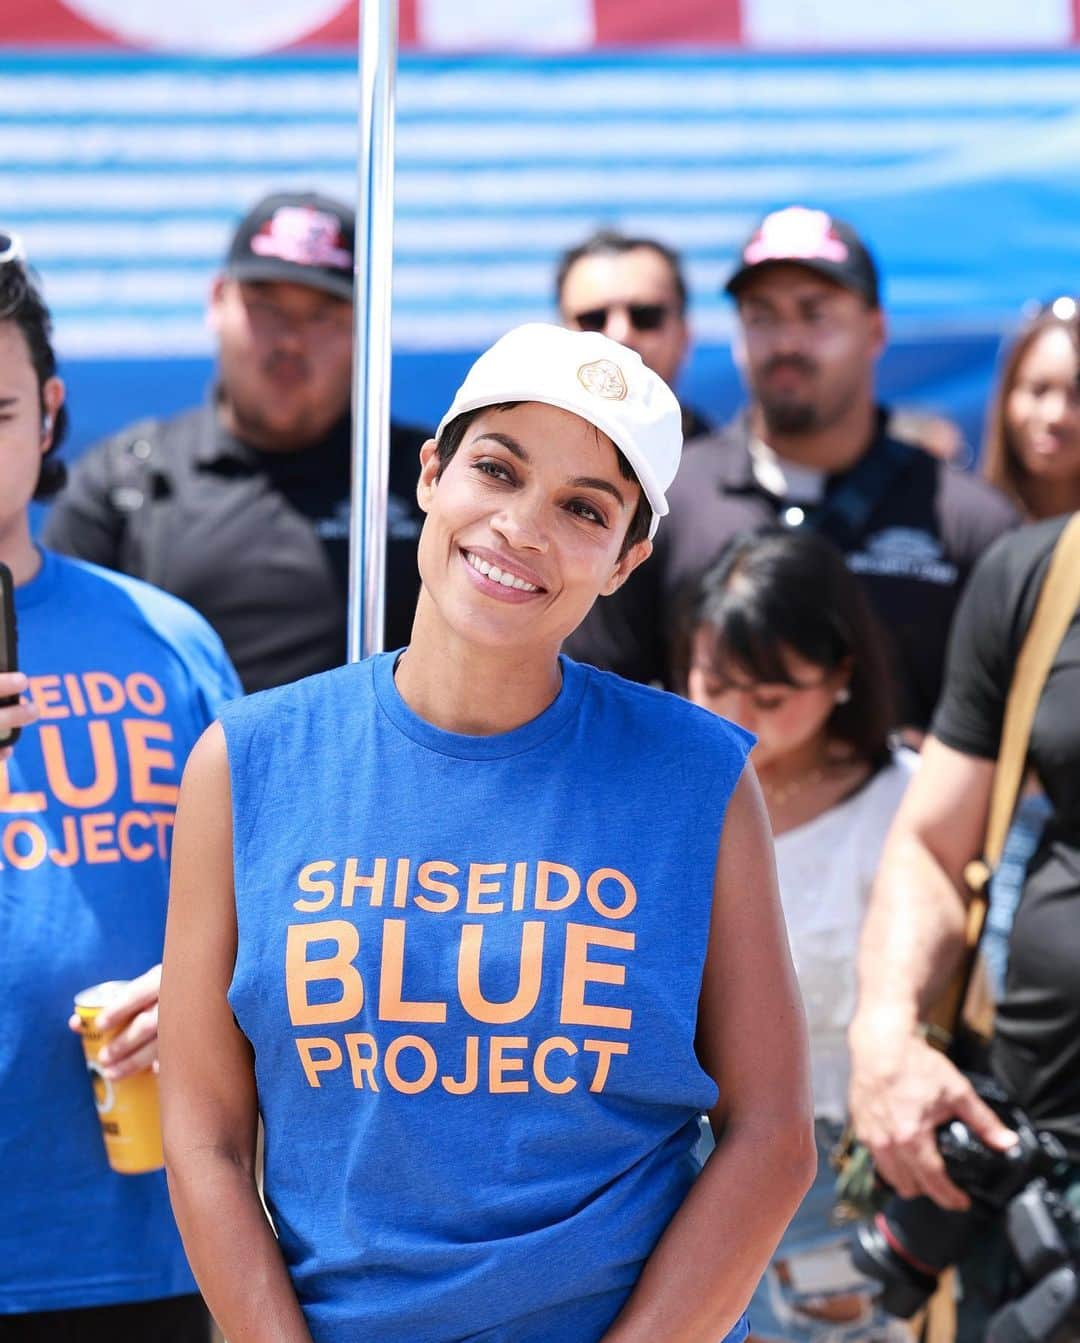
(480, 932)
(116, 683)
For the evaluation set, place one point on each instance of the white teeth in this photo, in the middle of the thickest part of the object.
(496, 574)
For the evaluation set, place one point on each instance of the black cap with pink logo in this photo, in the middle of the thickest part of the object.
(813, 239)
(299, 237)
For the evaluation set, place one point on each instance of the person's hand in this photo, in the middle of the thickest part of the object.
(135, 1012)
(14, 715)
(902, 1091)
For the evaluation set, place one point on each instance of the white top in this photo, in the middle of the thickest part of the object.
(826, 869)
(785, 479)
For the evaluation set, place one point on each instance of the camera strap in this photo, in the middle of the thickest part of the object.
(968, 998)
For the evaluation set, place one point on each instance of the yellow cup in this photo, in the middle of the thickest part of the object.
(128, 1108)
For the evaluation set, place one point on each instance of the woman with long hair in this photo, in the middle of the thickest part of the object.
(782, 641)
(479, 932)
(1032, 445)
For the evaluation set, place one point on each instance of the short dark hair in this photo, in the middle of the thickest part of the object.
(610, 242)
(453, 435)
(21, 302)
(778, 590)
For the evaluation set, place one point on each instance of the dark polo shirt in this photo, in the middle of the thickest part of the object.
(909, 526)
(256, 541)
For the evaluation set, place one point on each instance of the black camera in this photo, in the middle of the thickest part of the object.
(1044, 1233)
(910, 1241)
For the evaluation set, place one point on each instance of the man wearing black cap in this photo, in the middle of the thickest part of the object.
(811, 450)
(241, 505)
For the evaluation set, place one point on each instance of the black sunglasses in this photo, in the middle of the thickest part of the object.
(643, 316)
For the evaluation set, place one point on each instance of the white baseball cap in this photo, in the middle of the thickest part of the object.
(590, 375)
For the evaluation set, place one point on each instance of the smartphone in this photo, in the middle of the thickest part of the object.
(9, 656)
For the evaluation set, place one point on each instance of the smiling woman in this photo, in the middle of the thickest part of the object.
(480, 933)
(1032, 448)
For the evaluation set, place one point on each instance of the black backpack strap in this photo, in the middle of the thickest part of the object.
(851, 499)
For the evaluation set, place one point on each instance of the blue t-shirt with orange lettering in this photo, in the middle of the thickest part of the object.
(470, 969)
(126, 678)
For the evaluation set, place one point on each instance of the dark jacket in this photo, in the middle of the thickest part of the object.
(256, 541)
(909, 525)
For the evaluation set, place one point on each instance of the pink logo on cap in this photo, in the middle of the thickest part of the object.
(795, 233)
(305, 236)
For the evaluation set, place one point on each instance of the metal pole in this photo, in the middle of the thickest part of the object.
(371, 367)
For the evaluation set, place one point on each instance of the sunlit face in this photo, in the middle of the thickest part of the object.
(807, 347)
(285, 360)
(1043, 408)
(524, 526)
(24, 438)
(784, 718)
(631, 298)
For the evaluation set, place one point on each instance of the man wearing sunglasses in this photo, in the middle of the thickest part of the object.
(812, 449)
(634, 291)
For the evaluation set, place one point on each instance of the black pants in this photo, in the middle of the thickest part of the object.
(173, 1319)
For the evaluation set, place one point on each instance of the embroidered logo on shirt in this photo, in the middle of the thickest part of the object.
(401, 523)
(905, 552)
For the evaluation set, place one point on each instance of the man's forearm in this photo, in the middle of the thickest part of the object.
(912, 938)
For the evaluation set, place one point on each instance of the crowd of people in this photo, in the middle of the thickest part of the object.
(656, 692)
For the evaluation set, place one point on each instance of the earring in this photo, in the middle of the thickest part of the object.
(843, 695)
(46, 425)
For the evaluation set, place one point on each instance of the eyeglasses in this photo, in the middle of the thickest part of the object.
(11, 247)
(643, 316)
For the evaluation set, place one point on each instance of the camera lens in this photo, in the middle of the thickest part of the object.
(908, 1244)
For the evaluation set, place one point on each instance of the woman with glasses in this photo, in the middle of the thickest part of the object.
(116, 683)
(780, 639)
(479, 932)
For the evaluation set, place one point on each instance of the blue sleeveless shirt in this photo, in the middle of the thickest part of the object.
(469, 968)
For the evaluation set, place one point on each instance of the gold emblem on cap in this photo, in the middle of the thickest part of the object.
(603, 377)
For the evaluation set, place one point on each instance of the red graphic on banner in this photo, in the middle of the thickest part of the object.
(618, 23)
(49, 23)
(343, 30)
(621, 22)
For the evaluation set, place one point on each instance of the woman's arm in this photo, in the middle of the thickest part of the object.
(209, 1107)
(901, 1087)
(752, 1041)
